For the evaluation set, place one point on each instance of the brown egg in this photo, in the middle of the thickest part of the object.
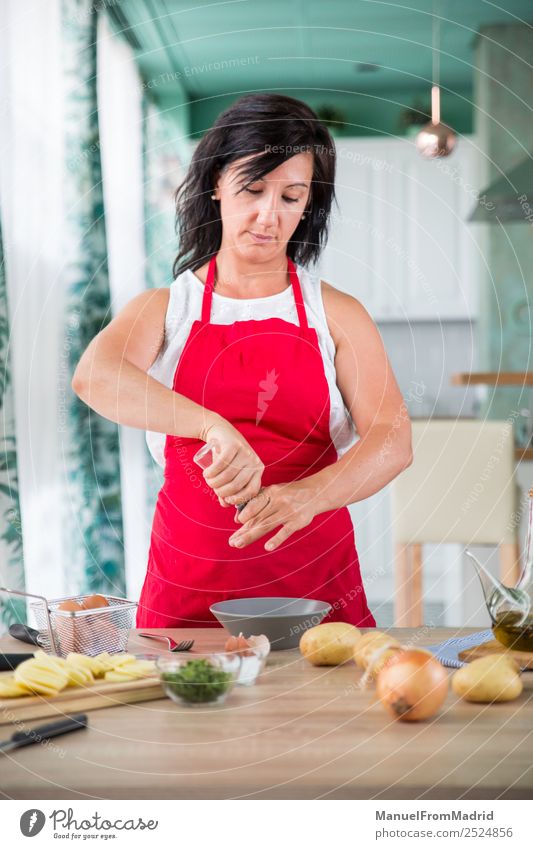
(69, 605)
(94, 601)
(66, 630)
(66, 626)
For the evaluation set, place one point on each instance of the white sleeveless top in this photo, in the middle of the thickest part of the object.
(185, 306)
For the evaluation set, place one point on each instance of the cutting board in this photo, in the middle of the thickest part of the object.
(524, 658)
(80, 699)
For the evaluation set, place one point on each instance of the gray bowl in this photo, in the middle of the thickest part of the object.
(282, 620)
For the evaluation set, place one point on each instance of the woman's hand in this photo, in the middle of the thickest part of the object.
(236, 470)
(292, 505)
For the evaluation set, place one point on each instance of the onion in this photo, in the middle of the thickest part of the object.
(376, 662)
(412, 685)
(368, 646)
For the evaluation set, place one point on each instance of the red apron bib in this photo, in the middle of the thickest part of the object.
(267, 378)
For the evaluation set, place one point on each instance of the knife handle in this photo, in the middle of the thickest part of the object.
(24, 633)
(52, 729)
(9, 661)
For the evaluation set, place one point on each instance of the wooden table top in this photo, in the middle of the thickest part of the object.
(301, 732)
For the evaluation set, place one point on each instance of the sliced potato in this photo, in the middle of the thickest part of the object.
(51, 660)
(117, 677)
(121, 659)
(32, 681)
(41, 674)
(96, 666)
(106, 661)
(79, 676)
(47, 675)
(131, 670)
(11, 689)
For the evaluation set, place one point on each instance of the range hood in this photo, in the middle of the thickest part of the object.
(509, 198)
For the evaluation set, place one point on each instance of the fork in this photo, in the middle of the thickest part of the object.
(183, 645)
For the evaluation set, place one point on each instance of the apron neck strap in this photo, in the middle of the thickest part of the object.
(208, 290)
(297, 292)
(296, 289)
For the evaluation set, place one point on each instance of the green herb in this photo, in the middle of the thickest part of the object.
(198, 681)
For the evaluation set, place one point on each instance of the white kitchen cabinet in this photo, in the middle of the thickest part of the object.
(399, 239)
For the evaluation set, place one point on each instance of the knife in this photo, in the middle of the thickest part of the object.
(10, 661)
(25, 633)
(44, 732)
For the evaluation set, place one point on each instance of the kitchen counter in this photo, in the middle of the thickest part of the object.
(301, 732)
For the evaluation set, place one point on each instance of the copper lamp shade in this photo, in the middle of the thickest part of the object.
(435, 139)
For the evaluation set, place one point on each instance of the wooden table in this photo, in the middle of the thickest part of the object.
(300, 732)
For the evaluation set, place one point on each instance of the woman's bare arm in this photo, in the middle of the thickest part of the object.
(111, 374)
(373, 398)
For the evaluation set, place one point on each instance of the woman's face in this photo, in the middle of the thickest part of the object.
(271, 207)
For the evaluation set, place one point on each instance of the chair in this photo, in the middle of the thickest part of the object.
(460, 488)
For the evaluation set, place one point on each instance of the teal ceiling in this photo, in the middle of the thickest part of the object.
(197, 58)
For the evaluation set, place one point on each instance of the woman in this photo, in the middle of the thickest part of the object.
(249, 349)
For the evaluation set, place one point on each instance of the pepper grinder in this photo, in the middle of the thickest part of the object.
(204, 458)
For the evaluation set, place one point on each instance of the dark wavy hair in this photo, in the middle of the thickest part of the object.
(276, 128)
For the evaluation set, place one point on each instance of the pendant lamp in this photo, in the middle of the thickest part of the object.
(435, 139)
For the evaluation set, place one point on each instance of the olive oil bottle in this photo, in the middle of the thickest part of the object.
(514, 633)
(511, 608)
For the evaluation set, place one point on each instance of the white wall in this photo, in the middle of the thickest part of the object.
(400, 242)
(120, 118)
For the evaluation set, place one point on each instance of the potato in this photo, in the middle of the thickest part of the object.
(495, 678)
(367, 647)
(329, 644)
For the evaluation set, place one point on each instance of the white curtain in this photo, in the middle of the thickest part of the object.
(31, 163)
(31, 189)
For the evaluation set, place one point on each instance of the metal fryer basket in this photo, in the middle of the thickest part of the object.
(87, 631)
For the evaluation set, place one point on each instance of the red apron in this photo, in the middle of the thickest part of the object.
(267, 378)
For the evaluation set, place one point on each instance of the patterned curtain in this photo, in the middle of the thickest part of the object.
(164, 163)
(90, 443)
(12, 609)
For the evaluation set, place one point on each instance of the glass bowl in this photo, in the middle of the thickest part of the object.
(253, 661)
(195, 679)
